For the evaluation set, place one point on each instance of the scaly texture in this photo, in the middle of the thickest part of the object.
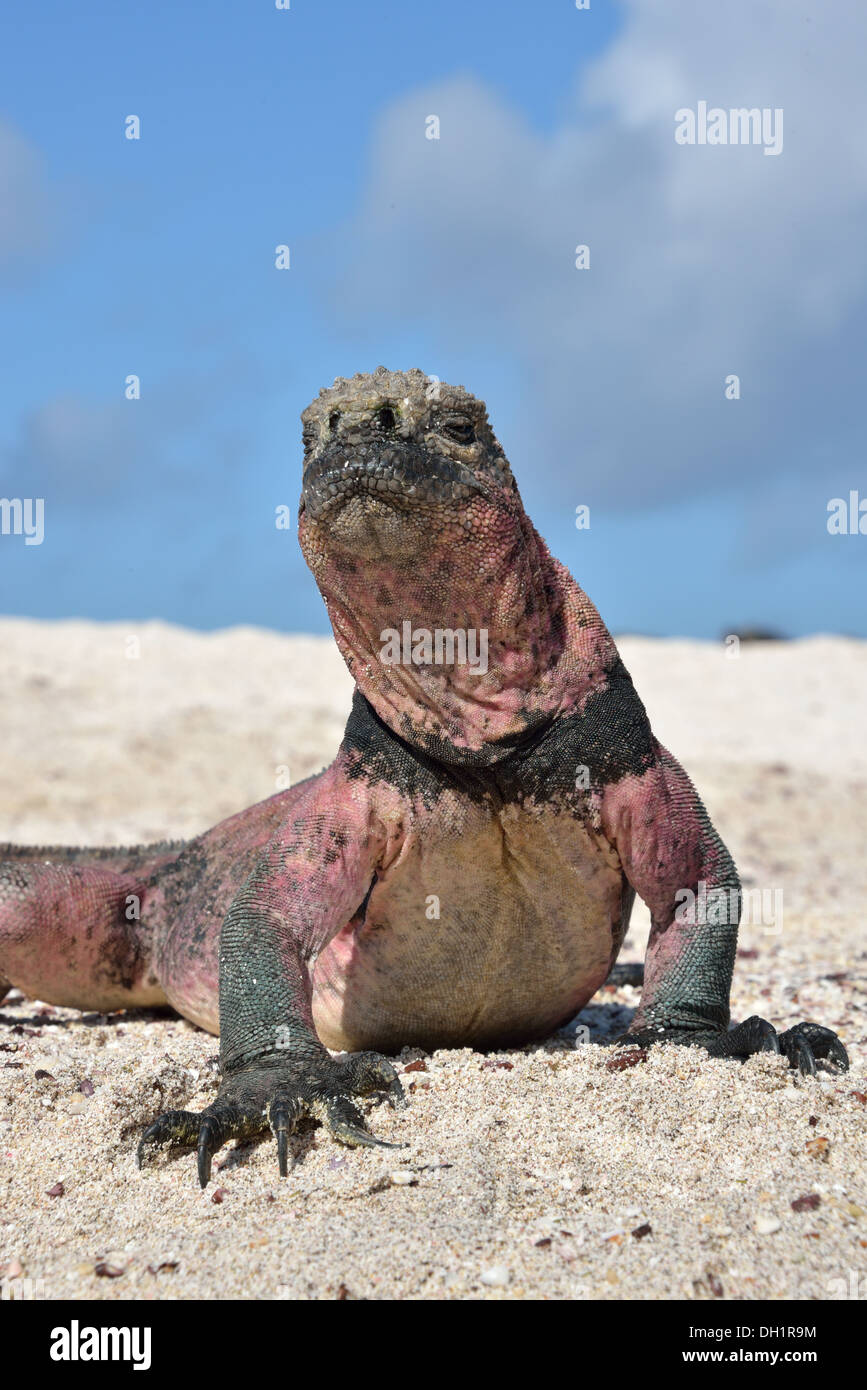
(463, 872)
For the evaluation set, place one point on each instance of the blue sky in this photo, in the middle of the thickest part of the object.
(606, 386)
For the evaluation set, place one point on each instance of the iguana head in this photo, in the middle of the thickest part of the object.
(393, 459)
(412, 524)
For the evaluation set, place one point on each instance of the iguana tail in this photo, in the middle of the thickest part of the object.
(72, 928)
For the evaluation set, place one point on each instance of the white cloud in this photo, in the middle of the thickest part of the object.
(25, 200)
(74, 449)
(704, 260)
(184, 428)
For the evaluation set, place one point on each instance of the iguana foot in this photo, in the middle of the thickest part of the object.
(803, 1045)
(276, 1096)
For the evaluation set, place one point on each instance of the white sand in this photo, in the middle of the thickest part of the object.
(520, 1182)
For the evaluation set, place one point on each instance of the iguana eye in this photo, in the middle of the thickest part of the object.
(459, 428)
(334, 420)
(386, 418)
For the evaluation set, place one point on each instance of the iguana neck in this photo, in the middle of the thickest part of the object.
(535, 645)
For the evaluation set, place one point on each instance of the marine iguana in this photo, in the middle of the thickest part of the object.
(463, 872)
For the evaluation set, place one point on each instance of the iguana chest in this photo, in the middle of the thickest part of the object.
(495, 929)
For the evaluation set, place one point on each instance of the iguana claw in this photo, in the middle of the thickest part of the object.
(808, 1042)
(276, 1097)
(803, 1045)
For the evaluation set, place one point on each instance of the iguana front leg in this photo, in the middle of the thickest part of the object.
(307, 885)
(676, 861)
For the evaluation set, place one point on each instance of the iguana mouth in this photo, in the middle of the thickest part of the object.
(401, 476)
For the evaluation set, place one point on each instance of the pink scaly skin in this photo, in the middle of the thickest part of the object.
(463, 872)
